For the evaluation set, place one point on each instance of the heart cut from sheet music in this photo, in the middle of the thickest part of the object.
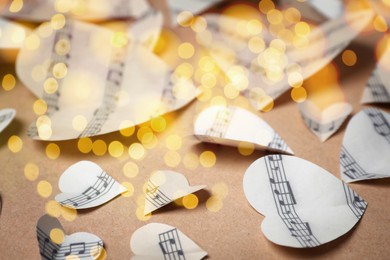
(12, 35)
(303, 204)
(164, 187)
(160, 241)
(229, 125)
(55, 244)
(324, 123)
(6, 117)
(366, 146)
(86, 185)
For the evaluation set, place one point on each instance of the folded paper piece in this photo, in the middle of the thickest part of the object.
(164, 187)
(377, 89)
(95, 81)
(331, 9)
(193, 6)
(160, 241)
(6, 117)
(303, 204)
(233, 125)
(264, 74)
(324, 123)
(86, 185)
(382, 7)
(54, 244)
(366, 146)
(12, 35)
(44, 10)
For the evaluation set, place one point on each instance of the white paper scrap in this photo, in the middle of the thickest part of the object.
(86, 185)
(160, 241)
(12, 35)
(229, 125)
(324, 123)
(303, 204)
(6, 117)
(366, 146)
(165, 187)
(55, 244)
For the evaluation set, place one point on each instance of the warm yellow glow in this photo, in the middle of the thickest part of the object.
(68, 214)
(207, 159)
(99, 147)
(53, 208)
(266, 5)
(185, 18)
(302, 29)
(58, 21)
(53, 151)
(32, 42)
(130, 189)
(40, 107)
(245, 148)
(349, 57)
(50, 85)
(16, 6)
(172, 158)
(292, 15)
(298, 94)
(380, 24)
(214, 204)
(60, 70)
(199, 24)
(173, 142)
(137, 151)
(31, 171)
(190, 201)
(191, 161)
(8, 82)
(15, 144)
(185, 50)
(274, 16)
(130, 170)
(44, 189)
(84, 145)
(127, 128)
(158, 124)
(115, 149)
(79, 123)
(57, 235)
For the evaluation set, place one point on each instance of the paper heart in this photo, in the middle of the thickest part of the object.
(54, 244)
(164, 187)
(86, 185)
(233, 125)
(12, 34)
(366, 146)
(324, 123)
(303, 204)
(161, 241)
(100, 79)
(6, 117)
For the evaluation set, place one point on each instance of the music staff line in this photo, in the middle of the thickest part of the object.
(350, 167)
(354, 201)
(156, 197)
(377, 88)
(170, 245)
(381, 125)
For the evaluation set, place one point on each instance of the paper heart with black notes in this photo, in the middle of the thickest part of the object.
(86, 185)
(366, 146)
(6, 117)
(324, 123)
(303, 204)
(161, 241)
(54, 244)
(229, 125)
(164, 187)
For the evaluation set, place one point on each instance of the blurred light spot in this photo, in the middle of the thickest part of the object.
(185, 18)
(142, 131)
(231, 91)
(137, 151)
(140, 214)
(115, 149)
(349, 57)
(295, 79)
(16, 6)
(127, 128)
(130, 189)
(119, 40)
(45, 30)
(199, 24)
(292, 15)
(221, 190)
(60, 70)
(158, 124)
(191, 161)
(254, 27)
(84, 145)
(99, 147)
(32, 42)
(40, 107)
(130, 170)
(44, 189)
(62, 47)
(53, 208)
(256, 44)
(58, 21)
(298, 94)
(172, 158)
(274, 16)
(214, 204)
(8, 82)
(15, 144)
(380, 24)
(57, 235)
(68, 214)
(38, 73)
(185, 50)
(31, 171)
(245, 148)
(53, 151)
(266, 5)
(50, 85)
(79, 123)
(184, 70)
(173, 142)
(209, 80)
(207, 159)
(190, 201)
(302, 29)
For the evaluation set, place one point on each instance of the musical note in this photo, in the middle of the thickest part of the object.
(170, 245)
(381, 125)
(357, 204)
(155, 196)
(79, 248)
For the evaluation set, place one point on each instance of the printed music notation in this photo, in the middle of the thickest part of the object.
(379, 92)
(50, 250)
(114, 80)
(350, 167)
(355, 202)
(155, 196)
(171, 246)
(322, 128)
(5, 117)
(221, 123)
(284, 200)
(278, 143)
(101, 187)
(168, 97)
(381, 125)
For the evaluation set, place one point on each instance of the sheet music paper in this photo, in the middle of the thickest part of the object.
(229, 47)
(331, 9)
(366, 146)
(12, 34)
(303, 204)
(80, 245)
(193, 6)
(326, 122)
(86, 185)
(377, 89)
(160, 241)
(382, 7)
(6, 117)
(164, 187)
(105, 80)
(229, 125)
(43, 10)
